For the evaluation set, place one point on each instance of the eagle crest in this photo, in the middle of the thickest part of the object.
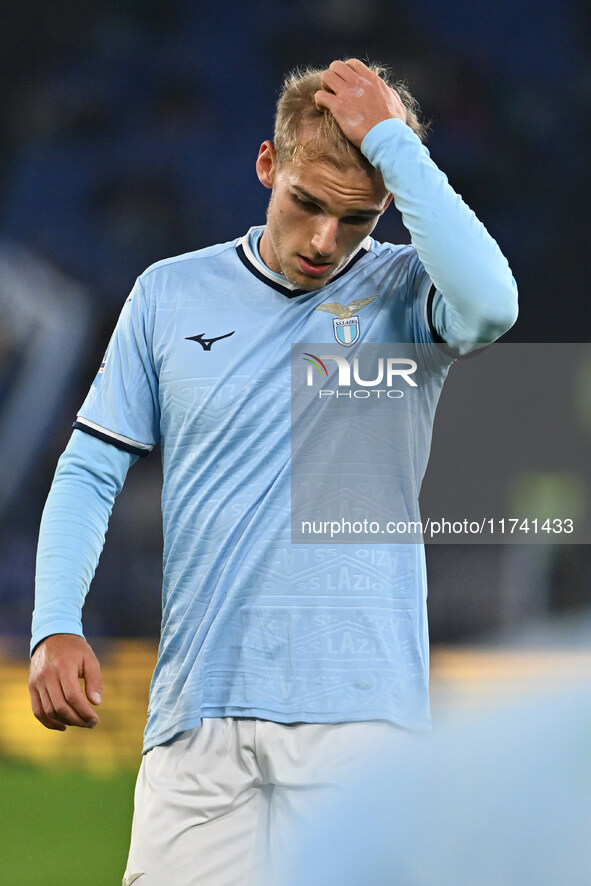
(344, 312)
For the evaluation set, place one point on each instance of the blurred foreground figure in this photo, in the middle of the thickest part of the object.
(281, 665)
(501, 798)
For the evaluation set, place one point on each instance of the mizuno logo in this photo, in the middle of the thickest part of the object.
(206, 343)
(127, 881)
(344, 312)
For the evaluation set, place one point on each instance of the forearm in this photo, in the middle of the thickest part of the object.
(89, 476)
(462, 260)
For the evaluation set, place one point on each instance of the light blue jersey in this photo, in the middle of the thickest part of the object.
(253, 625)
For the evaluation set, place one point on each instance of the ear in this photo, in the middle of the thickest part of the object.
(266, 164)
(389, 199)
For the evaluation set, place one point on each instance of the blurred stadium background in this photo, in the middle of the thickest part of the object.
(130, 131)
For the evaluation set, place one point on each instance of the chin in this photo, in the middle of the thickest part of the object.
(307, 283)
(311, 285)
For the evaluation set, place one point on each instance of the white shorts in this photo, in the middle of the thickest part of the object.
(243, 802)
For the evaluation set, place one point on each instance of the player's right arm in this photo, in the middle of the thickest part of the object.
(89, 476)
(118, 422)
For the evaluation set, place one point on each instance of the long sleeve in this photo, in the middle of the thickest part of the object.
(476, 295)
(90, 474)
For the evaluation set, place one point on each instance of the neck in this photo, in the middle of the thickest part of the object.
(267, 252)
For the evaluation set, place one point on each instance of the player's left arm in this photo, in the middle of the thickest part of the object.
(476, 295)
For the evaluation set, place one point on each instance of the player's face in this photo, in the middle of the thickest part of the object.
(317, 216)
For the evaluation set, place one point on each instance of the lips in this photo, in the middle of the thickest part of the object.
(313, 268)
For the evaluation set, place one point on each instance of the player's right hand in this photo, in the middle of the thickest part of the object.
(56, 695)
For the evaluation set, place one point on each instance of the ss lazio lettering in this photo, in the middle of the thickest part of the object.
(346, 325)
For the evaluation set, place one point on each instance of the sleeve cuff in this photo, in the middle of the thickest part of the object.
(390, 130)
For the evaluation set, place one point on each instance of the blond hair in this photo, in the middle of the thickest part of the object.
(297, 110)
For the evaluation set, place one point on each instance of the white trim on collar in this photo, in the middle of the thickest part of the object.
(279, 278)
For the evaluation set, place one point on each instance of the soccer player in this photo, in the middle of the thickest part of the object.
(276, 665)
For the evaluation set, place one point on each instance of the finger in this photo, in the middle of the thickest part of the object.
(93, 682)
(331, 81)
(61, 708)
(324, 99)
(57, 707)
(342, 70)
(359, 67)
(77, 701)
(41, 706)
(342, 76)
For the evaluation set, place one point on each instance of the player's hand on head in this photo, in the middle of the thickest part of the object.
(357, 98)
(57, 698)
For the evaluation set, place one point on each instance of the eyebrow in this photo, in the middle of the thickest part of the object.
(365, 213)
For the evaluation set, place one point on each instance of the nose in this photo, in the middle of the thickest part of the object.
(324, 240)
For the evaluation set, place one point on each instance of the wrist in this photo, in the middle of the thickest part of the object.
(393, 128)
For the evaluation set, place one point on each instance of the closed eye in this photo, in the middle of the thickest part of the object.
(311, 207)
(305, 204)
(359, 219)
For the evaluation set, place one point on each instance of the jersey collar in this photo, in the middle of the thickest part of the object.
(252, 262)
